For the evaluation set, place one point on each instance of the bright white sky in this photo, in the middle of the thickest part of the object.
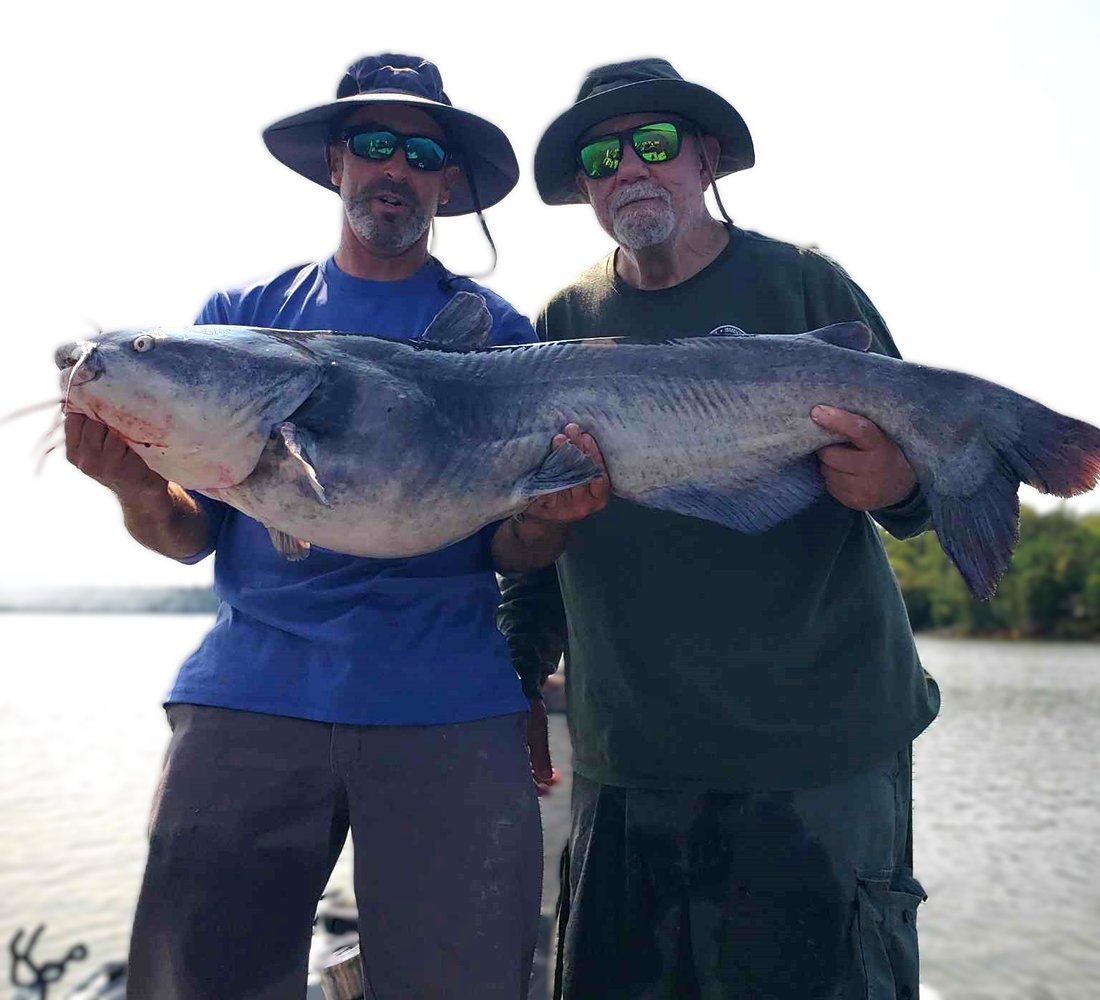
(946, 154)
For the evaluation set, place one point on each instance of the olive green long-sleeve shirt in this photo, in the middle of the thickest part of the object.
(696, 655)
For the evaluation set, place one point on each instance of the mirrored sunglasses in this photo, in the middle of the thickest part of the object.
(657, 142)
(379, 144)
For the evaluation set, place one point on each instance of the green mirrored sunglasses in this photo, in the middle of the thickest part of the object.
(657, 142)
(380, 144)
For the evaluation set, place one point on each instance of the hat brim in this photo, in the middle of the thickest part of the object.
(485, 154)
(556, 155)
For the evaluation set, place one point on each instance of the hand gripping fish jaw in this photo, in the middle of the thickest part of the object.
(199, 415)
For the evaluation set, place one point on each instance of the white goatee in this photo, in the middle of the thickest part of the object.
(643, 225)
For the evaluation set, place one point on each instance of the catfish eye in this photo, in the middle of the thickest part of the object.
(143, 342)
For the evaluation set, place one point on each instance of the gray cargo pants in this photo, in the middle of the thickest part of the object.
(705, 895)
(251, 814)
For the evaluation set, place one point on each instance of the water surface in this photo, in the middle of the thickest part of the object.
(1007, 796)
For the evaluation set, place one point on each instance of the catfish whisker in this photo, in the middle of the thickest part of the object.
(24, 411)
(58, 422)
(45, 454)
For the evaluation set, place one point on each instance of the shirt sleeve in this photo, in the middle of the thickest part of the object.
(531, 617)
(833, 297)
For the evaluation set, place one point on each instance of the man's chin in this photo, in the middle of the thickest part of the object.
(639, 233)
(390, 237)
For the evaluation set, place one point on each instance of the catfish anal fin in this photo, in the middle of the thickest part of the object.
(749, 509)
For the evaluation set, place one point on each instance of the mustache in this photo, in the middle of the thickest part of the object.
(385, 186)
(636, 192)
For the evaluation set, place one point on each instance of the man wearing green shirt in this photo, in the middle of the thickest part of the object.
(742, 707)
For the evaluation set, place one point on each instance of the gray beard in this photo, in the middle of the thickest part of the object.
(388, 237)
(643, 226)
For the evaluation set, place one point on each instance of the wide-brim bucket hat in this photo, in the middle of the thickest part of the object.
(625, 88)
(488, 163)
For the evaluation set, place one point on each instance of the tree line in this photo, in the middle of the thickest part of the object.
(1051, 590)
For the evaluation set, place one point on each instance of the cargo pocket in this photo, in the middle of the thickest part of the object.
(886, 935)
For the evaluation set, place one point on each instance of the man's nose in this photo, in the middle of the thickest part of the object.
(397, 165)
(632, 166)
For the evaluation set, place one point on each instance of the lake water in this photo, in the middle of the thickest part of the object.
(1007, 796)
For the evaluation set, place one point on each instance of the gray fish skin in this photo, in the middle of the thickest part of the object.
(415, 446)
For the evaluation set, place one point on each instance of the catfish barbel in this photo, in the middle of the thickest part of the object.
(385, 448)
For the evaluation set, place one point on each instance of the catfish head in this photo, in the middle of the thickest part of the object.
(198, 404)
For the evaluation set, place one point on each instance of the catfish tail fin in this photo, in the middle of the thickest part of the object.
(975, 507)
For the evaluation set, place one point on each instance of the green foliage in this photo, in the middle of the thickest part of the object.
(1051, 590)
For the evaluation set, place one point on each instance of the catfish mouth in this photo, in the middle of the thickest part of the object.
(90, 411)
(133, 442)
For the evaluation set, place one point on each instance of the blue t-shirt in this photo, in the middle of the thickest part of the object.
(340, 638)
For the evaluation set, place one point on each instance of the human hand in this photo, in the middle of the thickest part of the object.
(871, 471)
(538, 745)
(579, 501)
(101, 454)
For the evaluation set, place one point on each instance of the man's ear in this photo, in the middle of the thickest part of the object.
(335, 164)
(581, 181)
(451, 173)
(709, 151)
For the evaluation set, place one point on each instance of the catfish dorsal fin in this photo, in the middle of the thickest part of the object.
(855, 336)
(462, 324)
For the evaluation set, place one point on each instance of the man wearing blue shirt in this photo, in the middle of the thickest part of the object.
(338, 691)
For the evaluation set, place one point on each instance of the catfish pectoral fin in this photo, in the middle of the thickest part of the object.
(563, 468)
(750, 509)
(295, 441)
(290, 548)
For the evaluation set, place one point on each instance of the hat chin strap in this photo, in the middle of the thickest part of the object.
(714, 183)
(472, 184)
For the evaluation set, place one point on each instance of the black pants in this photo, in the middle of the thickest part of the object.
(703, 895)
(251, 814)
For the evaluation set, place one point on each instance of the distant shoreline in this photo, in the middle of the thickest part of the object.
(201, 601)
(109, 600)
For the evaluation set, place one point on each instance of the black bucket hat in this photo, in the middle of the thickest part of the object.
(489, 168)
(625, 88)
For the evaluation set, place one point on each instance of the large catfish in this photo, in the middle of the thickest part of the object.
(384, 448)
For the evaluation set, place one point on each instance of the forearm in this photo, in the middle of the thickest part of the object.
(524, 543)
(167, 520)
(531, 617)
